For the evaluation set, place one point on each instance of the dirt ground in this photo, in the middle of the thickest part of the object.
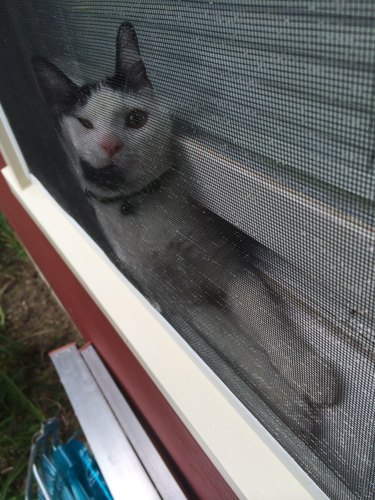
(31, 324)
(33, 315)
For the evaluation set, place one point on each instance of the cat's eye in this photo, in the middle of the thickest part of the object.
(86, 123)
(136, 118)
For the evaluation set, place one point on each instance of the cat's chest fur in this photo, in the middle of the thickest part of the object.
(141, 239)
(167, 245)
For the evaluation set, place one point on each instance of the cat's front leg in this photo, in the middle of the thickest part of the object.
(214, 332)
(262, 314)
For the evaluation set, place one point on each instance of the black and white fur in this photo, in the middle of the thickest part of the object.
(174, 249)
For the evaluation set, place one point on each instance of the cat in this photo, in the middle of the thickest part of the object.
(130, 165)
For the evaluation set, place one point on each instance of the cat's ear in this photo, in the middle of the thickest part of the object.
(129, 65)
(58, 90)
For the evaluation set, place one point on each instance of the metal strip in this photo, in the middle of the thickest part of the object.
(120, 466)
(149, 456)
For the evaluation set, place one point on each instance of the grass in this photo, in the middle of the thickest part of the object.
(11, 249)
(19, 417)
(29, 388)
(18, 422)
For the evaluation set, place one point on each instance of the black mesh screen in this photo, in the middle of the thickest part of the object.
(222, 153)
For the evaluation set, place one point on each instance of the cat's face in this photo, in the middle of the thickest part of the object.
(125, 129)
(115, 126)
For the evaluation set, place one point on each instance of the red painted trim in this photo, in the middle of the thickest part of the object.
(202, 478)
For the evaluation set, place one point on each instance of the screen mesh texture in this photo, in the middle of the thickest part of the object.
(222, 154)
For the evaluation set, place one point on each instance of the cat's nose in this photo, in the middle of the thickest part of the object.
(111, 146)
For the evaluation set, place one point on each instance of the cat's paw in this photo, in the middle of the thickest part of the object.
(157, 306)
(315, 378)
(322, 384)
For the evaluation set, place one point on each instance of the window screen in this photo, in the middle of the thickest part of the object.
(222, 154)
